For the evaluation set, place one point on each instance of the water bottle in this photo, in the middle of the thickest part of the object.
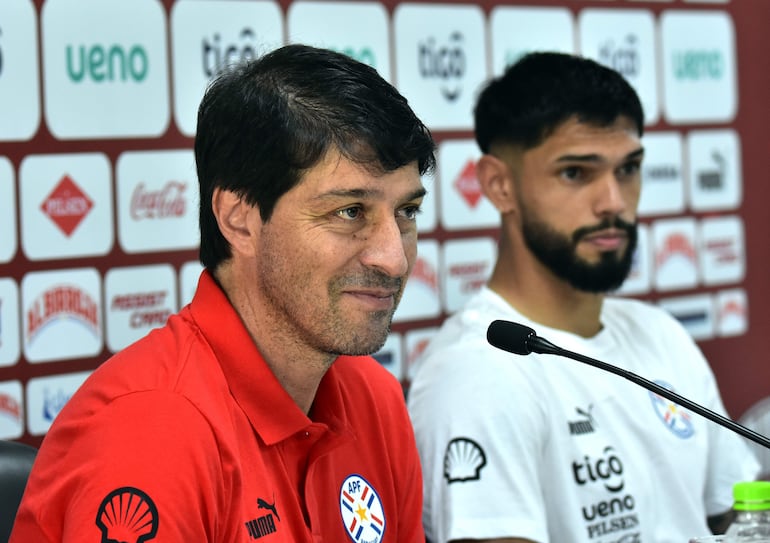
(752, 513)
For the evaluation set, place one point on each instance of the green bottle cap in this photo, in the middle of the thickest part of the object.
(751, 495)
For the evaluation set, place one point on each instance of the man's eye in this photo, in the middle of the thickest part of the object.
(411, 212)
(572, 173)
(632, 168)
(349, 213)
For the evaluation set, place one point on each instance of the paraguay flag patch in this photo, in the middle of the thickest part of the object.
(361, 510)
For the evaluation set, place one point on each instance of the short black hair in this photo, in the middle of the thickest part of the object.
(542, 90)
(264, 122)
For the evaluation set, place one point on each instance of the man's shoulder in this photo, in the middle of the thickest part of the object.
(157, 362)
(635, 310)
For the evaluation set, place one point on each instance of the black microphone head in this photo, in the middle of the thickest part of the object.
(510, 336)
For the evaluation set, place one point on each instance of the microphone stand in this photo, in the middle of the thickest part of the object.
(539, 345)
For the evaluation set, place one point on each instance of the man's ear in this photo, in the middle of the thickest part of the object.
(237, 220)
(496, 180)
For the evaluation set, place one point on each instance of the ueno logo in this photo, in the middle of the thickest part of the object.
(107, 63)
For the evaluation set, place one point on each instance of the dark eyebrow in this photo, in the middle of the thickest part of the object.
(364, 194)
(636, 154)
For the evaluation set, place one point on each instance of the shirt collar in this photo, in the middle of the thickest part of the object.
(269, 408)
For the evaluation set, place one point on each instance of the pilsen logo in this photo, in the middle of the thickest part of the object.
(467, 184)
(62, 301)
(169, 201)
(67, 205)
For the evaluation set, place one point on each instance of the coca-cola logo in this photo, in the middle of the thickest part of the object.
(167, 202)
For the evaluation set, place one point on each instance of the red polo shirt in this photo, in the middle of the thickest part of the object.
(187, 436)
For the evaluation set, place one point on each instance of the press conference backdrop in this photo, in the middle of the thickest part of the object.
(98, 194)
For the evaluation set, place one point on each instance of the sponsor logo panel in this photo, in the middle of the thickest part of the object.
(463, 205)
(467, 264)
(157, 201)
(8, 239)
(61, 314)
(696, 313)
(10, 344)
(663, 189)
(11, 410)
(66, 206)
(715, 179)
(206, 36)
(625, 41)
(440, 61)
(138, 299)
(421, 299)
(19, 83)
(46, 396)
(675, 260)
(105, 56)
(537, 29)
(698, 63)
(722, 250)
(358, 29)
(732, 312)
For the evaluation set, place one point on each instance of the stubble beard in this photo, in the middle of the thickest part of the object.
(319, 321)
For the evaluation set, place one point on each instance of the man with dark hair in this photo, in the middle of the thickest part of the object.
(254, 413)
(541, 448)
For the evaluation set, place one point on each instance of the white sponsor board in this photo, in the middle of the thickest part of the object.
(440, 60)
(536, 29)
(9, 238)
(137, 300)
(700, 83)
(466, 267)
(10, 318)
(62, 314)
(209, 35)
(46, 396)
(421, 299)
(625, 41)
(105, 68)
(358, 29)
(715, 179)
(11, 410)
(157, 193)
(463, 205)
(66, 206)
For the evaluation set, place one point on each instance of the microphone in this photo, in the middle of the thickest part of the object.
(519, 339)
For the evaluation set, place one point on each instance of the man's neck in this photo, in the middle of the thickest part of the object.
(546, 299)
(297, 367)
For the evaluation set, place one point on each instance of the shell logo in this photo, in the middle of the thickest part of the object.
(127, 514)
(463, 460)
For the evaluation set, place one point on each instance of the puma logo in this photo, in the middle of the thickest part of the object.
(263, 504)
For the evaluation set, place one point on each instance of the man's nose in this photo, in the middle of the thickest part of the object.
(388, 249)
